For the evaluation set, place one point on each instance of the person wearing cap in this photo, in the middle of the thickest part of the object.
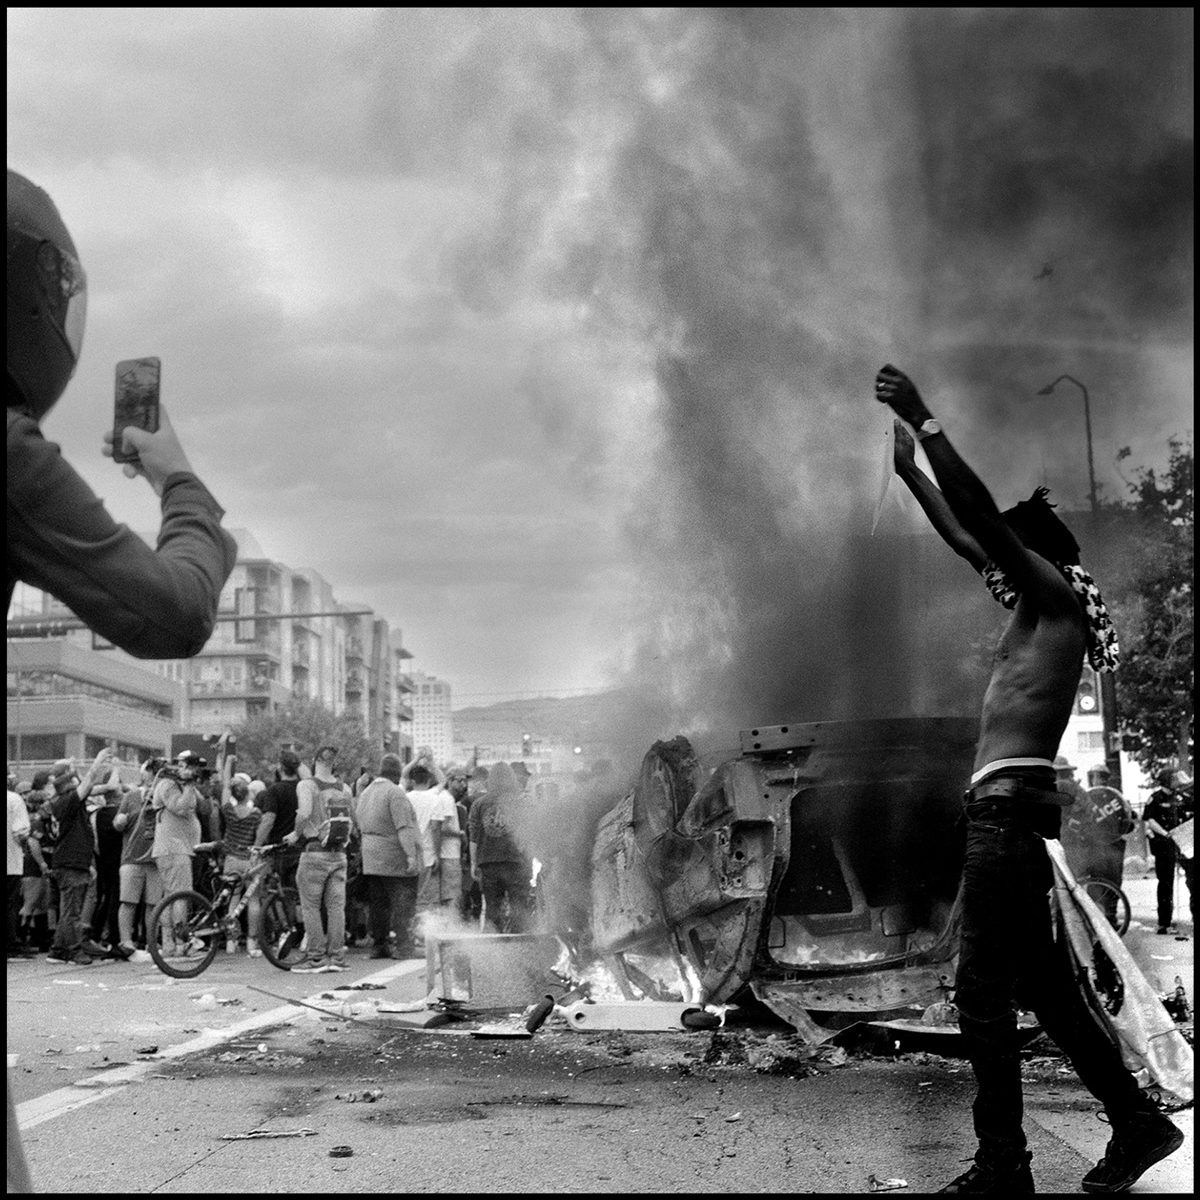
(36, 883)
(73, 857)
(177, 833)
(1169, 805)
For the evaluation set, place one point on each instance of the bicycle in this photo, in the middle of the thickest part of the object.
(1111, 901)
(184, 942)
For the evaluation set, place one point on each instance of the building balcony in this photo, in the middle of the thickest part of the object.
(253, 687)
(404, 683)
(301, 657)
(354, 649)
(403, 712)
(354, 683)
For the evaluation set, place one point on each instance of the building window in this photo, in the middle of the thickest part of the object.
(36, 747)
(1091, 739)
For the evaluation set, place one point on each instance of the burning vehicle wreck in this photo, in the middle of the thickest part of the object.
(817, 869)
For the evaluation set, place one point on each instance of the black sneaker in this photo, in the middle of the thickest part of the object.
(58, 956)
(1135, 1146)
(79, 959)
(1016, 1179)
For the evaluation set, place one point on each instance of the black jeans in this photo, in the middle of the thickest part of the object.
(392, 904)
(507, 881)
(1009, 959)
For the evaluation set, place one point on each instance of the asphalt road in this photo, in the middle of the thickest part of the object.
(745, 1109)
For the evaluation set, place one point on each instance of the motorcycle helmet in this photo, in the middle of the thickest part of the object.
(47, 299)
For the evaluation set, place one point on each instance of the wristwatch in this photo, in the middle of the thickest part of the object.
(928, 429)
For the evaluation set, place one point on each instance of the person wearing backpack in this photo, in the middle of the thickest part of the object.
(323, 827)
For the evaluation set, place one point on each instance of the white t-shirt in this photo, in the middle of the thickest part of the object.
(18, 826)
(436, 804)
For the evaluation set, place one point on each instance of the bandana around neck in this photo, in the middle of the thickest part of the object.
(1103, 650)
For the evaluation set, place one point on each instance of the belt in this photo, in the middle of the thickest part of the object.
(1016, 789)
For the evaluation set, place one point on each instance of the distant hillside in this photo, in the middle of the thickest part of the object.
(580, 719)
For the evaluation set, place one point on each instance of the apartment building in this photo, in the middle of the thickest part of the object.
(433, 724)
(281, 634)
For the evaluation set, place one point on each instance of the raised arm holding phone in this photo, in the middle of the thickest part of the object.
(152, 603)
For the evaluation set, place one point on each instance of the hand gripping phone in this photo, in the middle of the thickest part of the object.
(136, 401)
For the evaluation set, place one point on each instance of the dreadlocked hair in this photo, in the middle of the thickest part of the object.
(1034, 522)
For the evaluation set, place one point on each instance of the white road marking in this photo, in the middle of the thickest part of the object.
(96, 1087)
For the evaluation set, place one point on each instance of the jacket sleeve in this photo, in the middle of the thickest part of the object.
(159, 603)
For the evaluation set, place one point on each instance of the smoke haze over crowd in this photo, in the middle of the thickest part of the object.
(578, 310)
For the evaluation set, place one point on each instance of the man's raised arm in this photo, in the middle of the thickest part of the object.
(969, 500)
(932, 502)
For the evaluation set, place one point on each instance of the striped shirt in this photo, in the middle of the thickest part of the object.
(240, 831)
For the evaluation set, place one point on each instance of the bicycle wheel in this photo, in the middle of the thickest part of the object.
(184, 946)
(279, 936)
(1111, 901)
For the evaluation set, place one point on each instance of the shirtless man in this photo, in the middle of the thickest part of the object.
(1008, 957)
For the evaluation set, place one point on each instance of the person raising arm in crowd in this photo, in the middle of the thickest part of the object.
(1008, 955)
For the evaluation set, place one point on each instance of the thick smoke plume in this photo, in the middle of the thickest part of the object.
(751, 210)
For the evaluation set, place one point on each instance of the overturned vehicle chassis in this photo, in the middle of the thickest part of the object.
(818, 868)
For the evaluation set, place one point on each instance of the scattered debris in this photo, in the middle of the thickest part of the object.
(885, 1185)
(361, 987)
(502, 1031)
(146, 1050)
(367, 1097)
(1177, 1003)
(635, 1015)
(228, 1002)
(341, 1151)
(737, 1116)
(256, 1134)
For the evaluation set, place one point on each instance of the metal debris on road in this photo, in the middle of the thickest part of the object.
(885, 1185)
(257, 1134)
(366, 1097)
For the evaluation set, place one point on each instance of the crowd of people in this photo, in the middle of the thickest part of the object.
(369, 861)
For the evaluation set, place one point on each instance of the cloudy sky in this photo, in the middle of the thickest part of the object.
(550, 333)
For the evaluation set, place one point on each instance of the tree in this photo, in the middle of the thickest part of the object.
(1156, 611)
(308, 725)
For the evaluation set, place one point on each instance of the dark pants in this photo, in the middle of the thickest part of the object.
(392, 901)
(1009, 959)
(72, 891)
(1166, 856)
(506, 881)
(15, 897)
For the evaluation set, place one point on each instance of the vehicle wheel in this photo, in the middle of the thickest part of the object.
(1111, 901)
(278, 936)
(697, 1018)
(194, 940)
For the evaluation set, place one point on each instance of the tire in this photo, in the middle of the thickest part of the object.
(1108, 896)
(278, 936)
(204, 932)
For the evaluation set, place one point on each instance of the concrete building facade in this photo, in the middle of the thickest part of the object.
(281, 635)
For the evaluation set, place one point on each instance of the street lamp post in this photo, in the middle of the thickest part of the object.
(1087, 420)
(1108, 684)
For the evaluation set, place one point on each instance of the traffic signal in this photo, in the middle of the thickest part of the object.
(1087, 698)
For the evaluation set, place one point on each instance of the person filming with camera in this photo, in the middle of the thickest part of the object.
(176, 798)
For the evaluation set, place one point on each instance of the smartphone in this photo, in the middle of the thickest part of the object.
(136, 401)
